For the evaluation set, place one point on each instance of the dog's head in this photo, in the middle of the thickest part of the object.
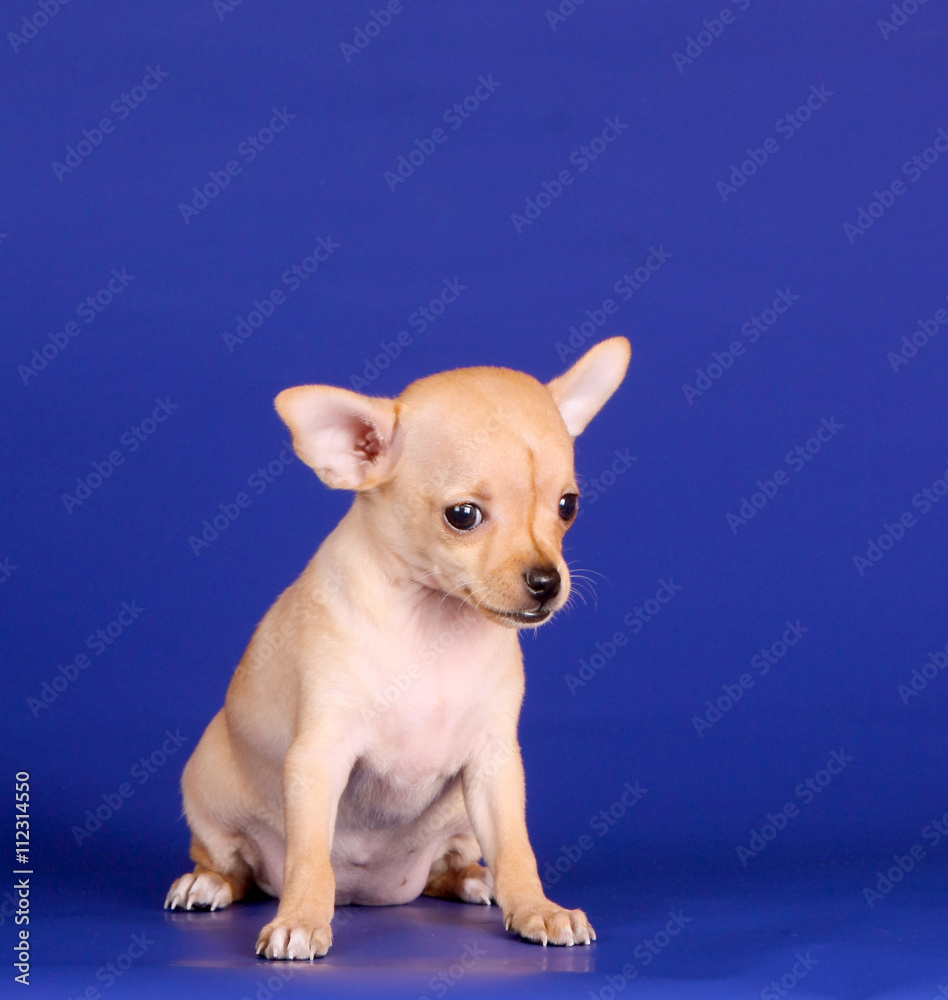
(468, 474)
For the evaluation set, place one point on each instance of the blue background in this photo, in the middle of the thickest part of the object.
(728, 253)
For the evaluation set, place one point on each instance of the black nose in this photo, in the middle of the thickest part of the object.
(543, 583)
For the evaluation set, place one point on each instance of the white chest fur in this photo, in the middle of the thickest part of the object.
(429, 698)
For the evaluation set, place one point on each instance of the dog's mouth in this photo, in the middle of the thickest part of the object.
(520, 617)
(513, 618)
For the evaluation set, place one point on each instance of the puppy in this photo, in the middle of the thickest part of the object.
(367, 748)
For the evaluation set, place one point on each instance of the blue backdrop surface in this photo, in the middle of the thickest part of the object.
(206, 202)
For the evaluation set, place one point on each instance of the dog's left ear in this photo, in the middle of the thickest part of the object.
(347, 438)
(581, 392)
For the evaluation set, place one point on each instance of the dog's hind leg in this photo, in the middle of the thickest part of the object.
(221, 852)
(456, 874)
(206, 888)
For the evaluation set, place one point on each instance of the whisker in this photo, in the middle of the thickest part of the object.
(450, 593)
(469, 587)
(585, 592)
(585, 584)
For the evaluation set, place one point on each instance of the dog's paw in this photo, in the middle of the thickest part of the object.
(546, 923)
(203, 891)
(294, 939)
(476, 885)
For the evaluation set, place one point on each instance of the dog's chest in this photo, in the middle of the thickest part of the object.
(435, 701)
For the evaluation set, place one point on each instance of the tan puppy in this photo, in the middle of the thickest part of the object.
(367, 749)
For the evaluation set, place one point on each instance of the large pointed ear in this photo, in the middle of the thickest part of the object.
(347, 438)
(581, 392)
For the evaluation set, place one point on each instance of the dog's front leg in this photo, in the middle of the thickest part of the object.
(314, 777)
(495, 795)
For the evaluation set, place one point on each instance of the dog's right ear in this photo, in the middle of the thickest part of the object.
(347, 438)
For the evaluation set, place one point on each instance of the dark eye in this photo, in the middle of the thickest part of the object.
(568, 504)
(464, 516)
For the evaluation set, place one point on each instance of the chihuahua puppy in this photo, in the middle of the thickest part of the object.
(367, 749)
